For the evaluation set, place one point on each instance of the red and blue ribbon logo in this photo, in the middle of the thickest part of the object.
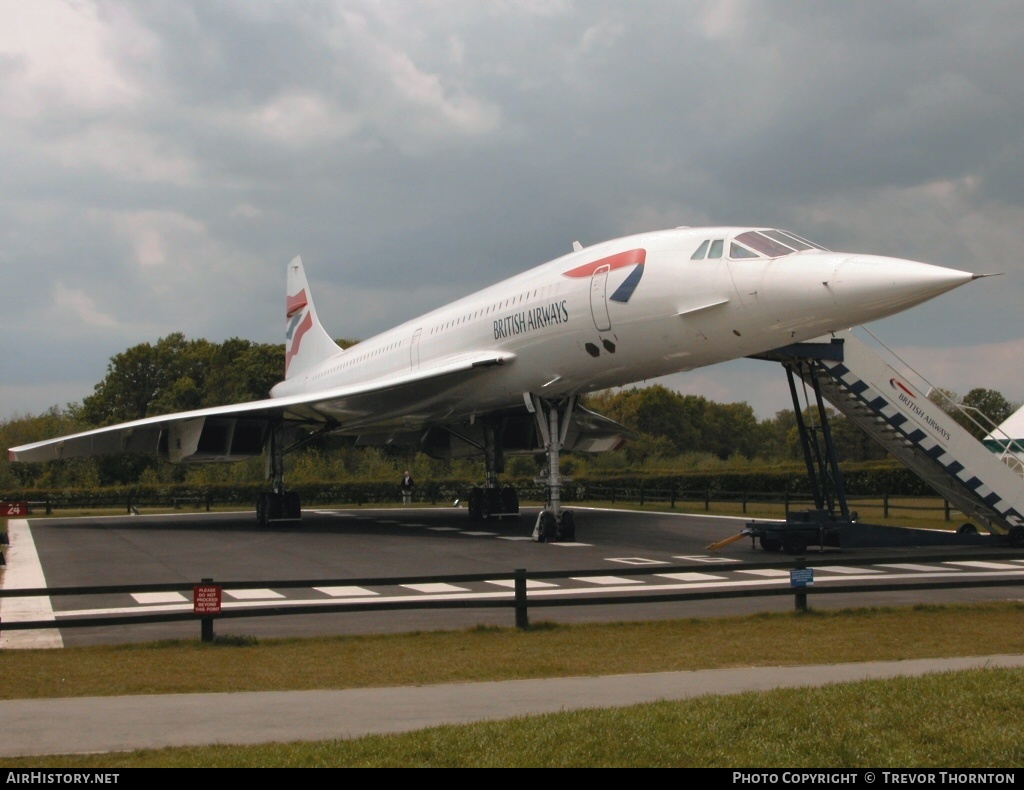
(635, 258)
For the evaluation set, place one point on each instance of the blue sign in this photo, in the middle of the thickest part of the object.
(801, 577)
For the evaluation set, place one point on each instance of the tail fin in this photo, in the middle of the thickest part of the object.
(306, 343)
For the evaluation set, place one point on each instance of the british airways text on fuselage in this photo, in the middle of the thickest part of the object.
(529, 320)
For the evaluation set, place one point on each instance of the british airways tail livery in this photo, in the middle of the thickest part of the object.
(306, 342)
(501, 371)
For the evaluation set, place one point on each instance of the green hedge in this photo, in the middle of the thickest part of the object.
(861, 480)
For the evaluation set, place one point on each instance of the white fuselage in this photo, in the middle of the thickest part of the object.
(602, 316)
(568, 330)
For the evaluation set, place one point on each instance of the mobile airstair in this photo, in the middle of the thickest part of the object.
(987, 487)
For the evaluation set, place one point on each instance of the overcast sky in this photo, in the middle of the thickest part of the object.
(160, 162)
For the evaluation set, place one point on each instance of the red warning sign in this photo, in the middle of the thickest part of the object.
(13, 509)
(206, 599)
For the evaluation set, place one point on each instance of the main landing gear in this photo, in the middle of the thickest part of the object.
(488, 503)
(277, 504)
(553, 523)
(492, 501)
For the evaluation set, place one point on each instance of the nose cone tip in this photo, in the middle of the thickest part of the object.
(900, 273)
(884, 286)
(953, 278)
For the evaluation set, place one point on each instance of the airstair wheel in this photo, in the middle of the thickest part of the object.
(769, 543)
(794, 543)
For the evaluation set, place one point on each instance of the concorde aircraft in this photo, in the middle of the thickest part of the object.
(501, 371)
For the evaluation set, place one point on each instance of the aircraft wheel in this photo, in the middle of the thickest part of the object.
(495, 502)
(510, 502)
(261, 508)
(474, 504)
(567, 530)
(795, 543)
(548, 526)
(292, 505)
(967, 528)
(770, 544)
(275, 506)
(1016, 537)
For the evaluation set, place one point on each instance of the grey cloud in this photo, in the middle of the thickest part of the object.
(439, 147)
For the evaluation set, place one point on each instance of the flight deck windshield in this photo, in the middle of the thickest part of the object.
(756, 244)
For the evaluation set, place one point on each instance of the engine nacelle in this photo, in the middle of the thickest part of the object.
(210, 439)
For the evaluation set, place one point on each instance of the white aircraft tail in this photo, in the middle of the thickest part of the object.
(306, 343)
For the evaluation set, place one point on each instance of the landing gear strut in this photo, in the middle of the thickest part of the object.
(553, 523)
(277, 504)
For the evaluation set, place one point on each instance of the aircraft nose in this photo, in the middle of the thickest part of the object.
(892, 284)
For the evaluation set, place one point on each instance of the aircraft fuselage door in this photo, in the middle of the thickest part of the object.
(414, 350)
(599, 299)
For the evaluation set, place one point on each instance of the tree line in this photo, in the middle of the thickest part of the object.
(673, 432)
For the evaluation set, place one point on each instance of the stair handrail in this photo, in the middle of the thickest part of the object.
(1010, 452)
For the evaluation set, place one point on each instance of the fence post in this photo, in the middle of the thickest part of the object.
(673, 495)
(885, 506)
(206, 623)
(522, 617)
(707, 500)
(945, 507)
(744, 503)
(641, 493)
(800, 597)
(49, 506)
(786, 501)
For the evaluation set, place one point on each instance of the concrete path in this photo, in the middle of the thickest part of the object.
(102, 724)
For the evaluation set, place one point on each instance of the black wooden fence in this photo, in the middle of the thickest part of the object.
(519, 601)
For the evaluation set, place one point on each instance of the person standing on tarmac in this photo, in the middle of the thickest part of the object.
(407, 486)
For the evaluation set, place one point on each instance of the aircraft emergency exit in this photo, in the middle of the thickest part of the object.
(501, 371)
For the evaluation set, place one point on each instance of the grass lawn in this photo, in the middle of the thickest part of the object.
(953, 720)
(958, 719)
(492, 653)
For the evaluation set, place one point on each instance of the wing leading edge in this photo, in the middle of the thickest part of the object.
(222, 433)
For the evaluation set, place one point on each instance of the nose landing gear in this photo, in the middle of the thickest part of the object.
(553, 523)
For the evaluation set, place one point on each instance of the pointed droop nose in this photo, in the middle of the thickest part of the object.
(889, 285)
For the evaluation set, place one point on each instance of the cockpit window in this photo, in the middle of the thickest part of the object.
(755, 244)
(763, 244)
(807, 241)
(776, 243)
(739, 251)
(793, 240)
(788, 239)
